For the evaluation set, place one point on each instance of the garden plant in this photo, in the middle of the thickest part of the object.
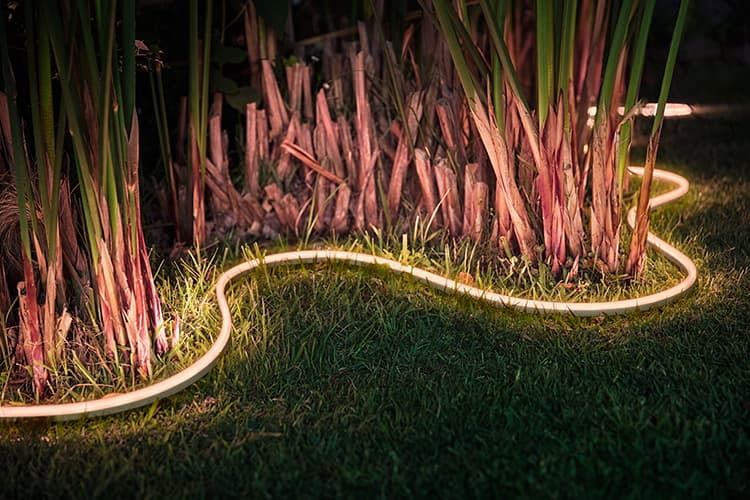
(467, 127)
(418, 248)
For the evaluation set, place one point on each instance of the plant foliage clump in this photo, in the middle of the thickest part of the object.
(84, 274)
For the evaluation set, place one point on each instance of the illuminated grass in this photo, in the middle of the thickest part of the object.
(341, 382)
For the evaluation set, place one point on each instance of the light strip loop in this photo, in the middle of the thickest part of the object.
(116, 403)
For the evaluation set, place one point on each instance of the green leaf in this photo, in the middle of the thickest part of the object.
(616, 49)
(666, 82)
(634, 84)
(443, 11)
(545, 57)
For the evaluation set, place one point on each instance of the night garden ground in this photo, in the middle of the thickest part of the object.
(359, 382)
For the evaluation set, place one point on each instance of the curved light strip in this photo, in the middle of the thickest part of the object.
(115, 403)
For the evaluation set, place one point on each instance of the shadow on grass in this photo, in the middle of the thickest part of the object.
(343, 382)
(384, 387)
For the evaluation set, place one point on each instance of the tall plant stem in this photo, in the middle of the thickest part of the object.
(198, 103)
(637, 255)
(634, 84)
(545, 57)
(498, 80)
(610, 70)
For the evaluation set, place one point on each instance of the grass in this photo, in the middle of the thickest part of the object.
(341, 383)
(189, 294)
(186, 286)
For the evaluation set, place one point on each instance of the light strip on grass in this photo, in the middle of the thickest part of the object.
(116, 403)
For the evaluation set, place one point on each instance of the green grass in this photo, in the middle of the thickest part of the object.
(187, 292)
(341, 382)
(186, 288)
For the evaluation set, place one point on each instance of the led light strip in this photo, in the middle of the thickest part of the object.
(671, 110)
(116, 403)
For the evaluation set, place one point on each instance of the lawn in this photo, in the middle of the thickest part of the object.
(344, 382)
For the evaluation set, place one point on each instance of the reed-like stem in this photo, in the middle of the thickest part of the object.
(83, 45)
(637, 255)
(634, 84)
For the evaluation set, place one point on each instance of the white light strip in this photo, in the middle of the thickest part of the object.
(116, 403)
(672, 109)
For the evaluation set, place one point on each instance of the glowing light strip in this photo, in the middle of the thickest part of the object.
(116, 403)
(672, 109)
